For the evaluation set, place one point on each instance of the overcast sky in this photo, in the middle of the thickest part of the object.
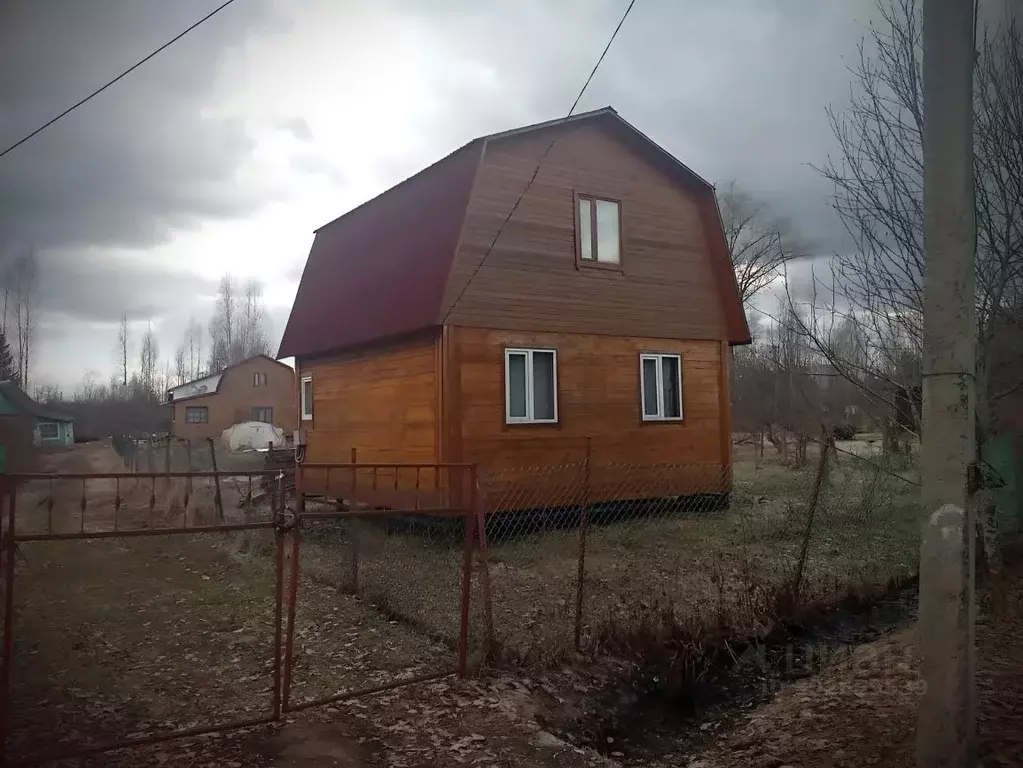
(224, 152)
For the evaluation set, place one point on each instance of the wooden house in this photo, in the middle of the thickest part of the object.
(537, 296)
(257, 389)
(47, 426)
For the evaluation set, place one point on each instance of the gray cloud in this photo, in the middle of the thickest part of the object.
(297, 127)
(142, 158)
(735, 88)
(97, 286)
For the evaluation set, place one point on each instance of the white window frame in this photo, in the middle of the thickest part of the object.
(56, 430)
(659, 357)
(594, 227)
(259, 379)
(528, 418)
(307, 407)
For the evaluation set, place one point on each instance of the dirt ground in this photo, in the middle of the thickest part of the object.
(862, 711)
(128, 637)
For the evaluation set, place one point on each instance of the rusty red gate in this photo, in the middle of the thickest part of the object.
(127, 506)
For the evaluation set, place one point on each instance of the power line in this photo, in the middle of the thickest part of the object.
(128, 71)
(543, 157)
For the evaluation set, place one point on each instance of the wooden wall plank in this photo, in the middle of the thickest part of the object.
(383, 402)
(598, 398)
(667, 286)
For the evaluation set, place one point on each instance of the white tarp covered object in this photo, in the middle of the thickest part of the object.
(250, 435)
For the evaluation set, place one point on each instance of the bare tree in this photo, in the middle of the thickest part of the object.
(5, 277)
(149, 355)
(193, 341)
(252, 339)
(222, 326)
(123, 343)
(180, 364)
(238, 326)
(759, 242)
(878, 180)
(24, 279)
(8, 368)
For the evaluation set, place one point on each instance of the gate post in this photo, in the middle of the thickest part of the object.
(8, 548)
(278, 616)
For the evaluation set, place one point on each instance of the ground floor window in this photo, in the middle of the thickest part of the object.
(49, 430)
(661, 386)
(197, 414)
(263, 413)
(531, 386)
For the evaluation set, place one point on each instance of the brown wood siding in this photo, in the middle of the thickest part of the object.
(236, 397)
(598, 399)
(382, 402)
(666, 288)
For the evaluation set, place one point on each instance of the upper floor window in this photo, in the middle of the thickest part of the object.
(306, 396)
(661, 386)
(598, 231)
(531, 386)
(259, 379)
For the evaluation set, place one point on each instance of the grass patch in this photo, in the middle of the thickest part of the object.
(674, 569)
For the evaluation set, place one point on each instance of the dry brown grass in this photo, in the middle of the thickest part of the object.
(679, 572)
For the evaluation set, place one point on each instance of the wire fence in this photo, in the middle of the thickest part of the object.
(598, 556)
(613, 557)
(651, 553)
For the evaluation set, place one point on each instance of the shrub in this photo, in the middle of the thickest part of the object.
(843, 432)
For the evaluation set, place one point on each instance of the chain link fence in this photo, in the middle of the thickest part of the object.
(655, 553)
(614, 557)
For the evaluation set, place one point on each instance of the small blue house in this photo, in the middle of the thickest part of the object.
(49, 427)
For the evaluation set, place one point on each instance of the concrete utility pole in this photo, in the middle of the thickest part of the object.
(946, 725)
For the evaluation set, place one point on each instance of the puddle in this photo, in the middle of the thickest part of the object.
(667, 709)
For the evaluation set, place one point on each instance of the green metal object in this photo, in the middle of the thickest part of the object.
(1001, 475)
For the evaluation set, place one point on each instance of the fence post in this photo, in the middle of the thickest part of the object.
(289, 638)
(463, 633)
(822, 468)
(353, 536)
(188, 465)
(9, 549)
(218, 503)
(152, 462)
(278, 618)
(478, 500)
(300, 486)
(584, 522)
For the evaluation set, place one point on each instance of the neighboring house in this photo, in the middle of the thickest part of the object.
(257, 389)
(49, 427)
(604, 311)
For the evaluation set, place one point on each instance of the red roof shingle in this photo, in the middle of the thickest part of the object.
(381, 270)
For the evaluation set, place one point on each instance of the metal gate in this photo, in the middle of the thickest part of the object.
(89, 507)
